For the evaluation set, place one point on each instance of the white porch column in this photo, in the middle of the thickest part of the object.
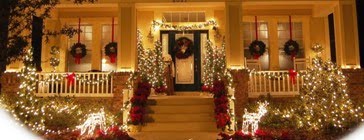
(346, 35)
(126, 59)
(234, 44)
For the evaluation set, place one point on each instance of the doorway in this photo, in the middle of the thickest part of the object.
(188, 71)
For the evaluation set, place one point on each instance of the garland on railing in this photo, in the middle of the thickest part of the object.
(51, 78)
(138, 102)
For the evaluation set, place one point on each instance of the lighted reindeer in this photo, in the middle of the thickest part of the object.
(252, 119)
(93, 120)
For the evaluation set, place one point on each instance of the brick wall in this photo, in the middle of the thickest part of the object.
(241, 78)
(9, 83)
(119, 83)
(355, 84)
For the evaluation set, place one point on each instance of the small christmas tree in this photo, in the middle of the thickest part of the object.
(27, 108)
(324, 97)
(142, 62)
(159, 82)
(208, 65)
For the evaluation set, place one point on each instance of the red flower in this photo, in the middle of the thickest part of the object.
(100, 133)
(113, 129)
(205, 88)
(261, 133)
(160, 89)
(138, 100)
(221, 100)
(224, 136)
(222, 108)
(222, 119)
(137, 110)
(239, 135)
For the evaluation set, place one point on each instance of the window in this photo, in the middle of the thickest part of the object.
(85, 38)
(249, 36)
(106, 39)
(184, 17)
(285, 61)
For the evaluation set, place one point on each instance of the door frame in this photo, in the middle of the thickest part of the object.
(197, 57)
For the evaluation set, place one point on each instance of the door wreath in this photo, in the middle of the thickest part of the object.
(183, 48)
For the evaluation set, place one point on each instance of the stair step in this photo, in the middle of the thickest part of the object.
(175, 135)
(198, 117)
(180, 109)
(181, 101)
(181, 127)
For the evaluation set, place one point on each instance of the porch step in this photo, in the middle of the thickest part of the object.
(180, 127)
(175, 135)
(179, 117)
(180, 109)
(198, 117)
(181, 101)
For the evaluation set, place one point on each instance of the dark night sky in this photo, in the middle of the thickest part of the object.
(360, 13)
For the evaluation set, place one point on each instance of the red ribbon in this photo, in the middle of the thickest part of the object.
(79, 29)
(292, 75)
(71, 79)
(256, 28)
(290, 28)
(112, 30)
(293, 55)
(112, 58)
(78, 58)
(256, 56)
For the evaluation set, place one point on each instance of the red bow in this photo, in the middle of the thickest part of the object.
(71, 79)
(112, 58)
(78, 58)
(293, 55)
(256, 56)
(292, 76)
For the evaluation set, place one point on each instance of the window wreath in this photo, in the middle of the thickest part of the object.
(291, 48)
(111, 51)
(183, 48)
(78, 51)
(257, 48)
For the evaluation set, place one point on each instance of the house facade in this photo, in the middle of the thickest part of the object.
(237, 23)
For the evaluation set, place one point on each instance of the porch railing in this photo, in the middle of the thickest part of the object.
(88, 84)
(276, 83)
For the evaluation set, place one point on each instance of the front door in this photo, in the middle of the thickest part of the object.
(187, 67)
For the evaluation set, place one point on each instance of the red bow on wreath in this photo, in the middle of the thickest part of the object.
(71, 79)
(292, 75)
(112, 58)
(78, 58)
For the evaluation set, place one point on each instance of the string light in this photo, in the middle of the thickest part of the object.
(253, 119)
(93, 120)
(160, 24)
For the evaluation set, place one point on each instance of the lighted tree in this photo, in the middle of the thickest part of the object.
(208, 65)
(324, 97)
(159, 66)
(142, 62)
(27, 108)
(16, 18)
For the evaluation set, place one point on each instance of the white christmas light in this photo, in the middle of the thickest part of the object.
(93, 120)
(253, 119)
